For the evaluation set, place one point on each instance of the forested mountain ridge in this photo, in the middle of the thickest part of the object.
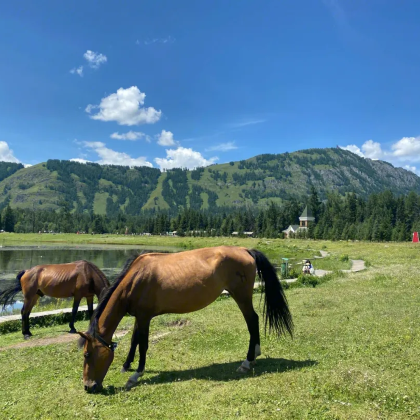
(109, 189)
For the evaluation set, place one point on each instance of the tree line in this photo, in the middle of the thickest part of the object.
(380, 217)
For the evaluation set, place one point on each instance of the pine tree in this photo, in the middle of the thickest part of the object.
(9, 219)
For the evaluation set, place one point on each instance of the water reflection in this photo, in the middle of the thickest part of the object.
(110, 259)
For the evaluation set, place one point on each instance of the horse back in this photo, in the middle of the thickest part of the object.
(190, 280)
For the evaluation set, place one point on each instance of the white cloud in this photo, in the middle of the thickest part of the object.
(166, 138)
(372, 150)
(412, 169)
(400, 154)
(125, 107)
(183, 158)
(94, 59)
(223, 147)
(131, 135)
(112, 157)
(6, 154)
(408, 148)
(78, 70)
(354, 149)
(80, 160)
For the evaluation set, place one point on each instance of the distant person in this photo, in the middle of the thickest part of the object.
(308, 268)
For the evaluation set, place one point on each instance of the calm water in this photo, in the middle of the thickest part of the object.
(110, 259)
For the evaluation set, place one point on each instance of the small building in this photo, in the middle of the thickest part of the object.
(291, 229)
(305, 218)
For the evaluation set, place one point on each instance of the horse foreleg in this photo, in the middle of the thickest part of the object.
(89, 301)
(143, 337)
(132, 352)
(76, 303)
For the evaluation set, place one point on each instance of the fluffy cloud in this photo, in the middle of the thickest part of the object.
(412, 169)
(354, 149)
(401, 153)
(183, 158)
(131, 135)
(80, 160)
(166, 138)
(94, 59)
(125, 108)
(223, 147)
(112, 157)
(408, 148)
(372, 150)
(6, 155)
(78, 70)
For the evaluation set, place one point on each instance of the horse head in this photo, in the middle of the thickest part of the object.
(98, 356)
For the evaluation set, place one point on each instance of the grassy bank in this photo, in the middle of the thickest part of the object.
(354, 356)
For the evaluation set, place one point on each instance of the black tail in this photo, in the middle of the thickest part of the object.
(276, 311)
(6, 296)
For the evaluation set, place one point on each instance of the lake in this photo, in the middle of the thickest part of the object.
(109, 258)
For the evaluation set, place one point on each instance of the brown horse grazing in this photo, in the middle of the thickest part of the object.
(78, 279)
(153, 284)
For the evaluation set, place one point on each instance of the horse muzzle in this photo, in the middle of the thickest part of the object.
(92, 387)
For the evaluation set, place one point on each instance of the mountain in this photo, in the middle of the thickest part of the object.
(109, 189)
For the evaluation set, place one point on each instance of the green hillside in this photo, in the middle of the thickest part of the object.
(109, 189)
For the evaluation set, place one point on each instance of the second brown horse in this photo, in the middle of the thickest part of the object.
(78, 279)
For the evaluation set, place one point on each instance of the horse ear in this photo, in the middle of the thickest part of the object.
(83, 338)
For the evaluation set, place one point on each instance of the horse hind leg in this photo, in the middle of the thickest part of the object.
(132, 352)
(28, 304)
(143, 337)
(252, 322)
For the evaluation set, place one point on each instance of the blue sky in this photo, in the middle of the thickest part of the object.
(189, 83)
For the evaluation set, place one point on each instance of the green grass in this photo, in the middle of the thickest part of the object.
(156, 196)
(354, 355)
(99, 204)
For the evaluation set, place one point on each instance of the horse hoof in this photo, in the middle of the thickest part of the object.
(73, 331)
(123, 370)
(130, 384)
(242, 369)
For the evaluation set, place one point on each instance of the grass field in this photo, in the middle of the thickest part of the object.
(354, 355)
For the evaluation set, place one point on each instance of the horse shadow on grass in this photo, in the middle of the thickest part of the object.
(225, 372)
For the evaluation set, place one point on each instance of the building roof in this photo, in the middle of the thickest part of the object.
(294, 228)
(307, 213)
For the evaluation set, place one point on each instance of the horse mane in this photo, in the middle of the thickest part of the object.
(106, 295)
(99, 272)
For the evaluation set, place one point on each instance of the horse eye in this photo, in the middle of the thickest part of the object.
(87, 355)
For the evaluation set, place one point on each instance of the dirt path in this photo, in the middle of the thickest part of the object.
(356, 265)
